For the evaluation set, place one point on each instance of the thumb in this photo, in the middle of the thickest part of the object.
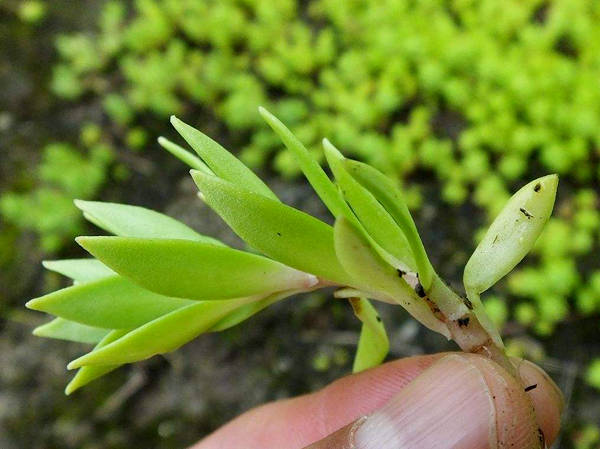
(461, 401)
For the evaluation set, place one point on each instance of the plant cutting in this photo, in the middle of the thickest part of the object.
(156, 284)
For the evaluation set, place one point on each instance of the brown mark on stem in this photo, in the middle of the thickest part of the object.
(463, 322)
(356, 305)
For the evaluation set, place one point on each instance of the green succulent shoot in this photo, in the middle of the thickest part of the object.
(157, 284)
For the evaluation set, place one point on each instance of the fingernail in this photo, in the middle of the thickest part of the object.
(449, 405)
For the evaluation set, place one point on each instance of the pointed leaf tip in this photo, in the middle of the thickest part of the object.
(134, 221)
(33, 304)
(264, 112)
(221, 161)
(109, 303)
(332, 150)
(80, 270)
(89, 373)
(63, 329)
(74, 364)
(183, 155)
(315, 175)
(163, 334)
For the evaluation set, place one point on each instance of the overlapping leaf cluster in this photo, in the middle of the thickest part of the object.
(156, 284)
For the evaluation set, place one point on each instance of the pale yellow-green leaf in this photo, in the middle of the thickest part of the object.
(70, 330)
(279, 231)
(110, 303)
(86, 374)
(373, 344)
(195, 270)
(224, 164)
(512, 234)
(376, 277)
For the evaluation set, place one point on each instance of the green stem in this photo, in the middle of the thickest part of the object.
(464, 325)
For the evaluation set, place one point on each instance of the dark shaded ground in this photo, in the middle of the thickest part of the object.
(292, 348)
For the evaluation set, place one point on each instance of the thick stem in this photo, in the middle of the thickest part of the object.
(465, 328)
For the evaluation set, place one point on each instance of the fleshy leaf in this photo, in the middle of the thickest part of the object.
(183, 155)
(377, 222)
(508, 239)
(134, 221)
(195, 270)
(224, 164)
(317, 178)
(373, 344)
(86, 374)
(70, 330)
(279, 231)
(376, 277)
(111, 303)
(164, 334)
(511, 235)
(390, 197)
(80, 270)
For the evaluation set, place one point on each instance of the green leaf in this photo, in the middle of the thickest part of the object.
(376, 221)
(224, 164)
(373, 344)
(512, 234)
(183, 155)
(317, 178)
(508, 239)
(69, 330)
(327, 190)
(390, 197)
(80, 270)
(242, 312)
(376, 277)
(134, 221)
(195, 270)
(279, 231)
(111, 303)
(164, 334)
(87, 374)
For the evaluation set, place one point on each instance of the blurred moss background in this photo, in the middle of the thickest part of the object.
(461, 101)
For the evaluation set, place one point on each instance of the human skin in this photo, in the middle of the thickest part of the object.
(442, 401)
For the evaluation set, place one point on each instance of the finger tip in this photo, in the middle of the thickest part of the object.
(547, 398)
